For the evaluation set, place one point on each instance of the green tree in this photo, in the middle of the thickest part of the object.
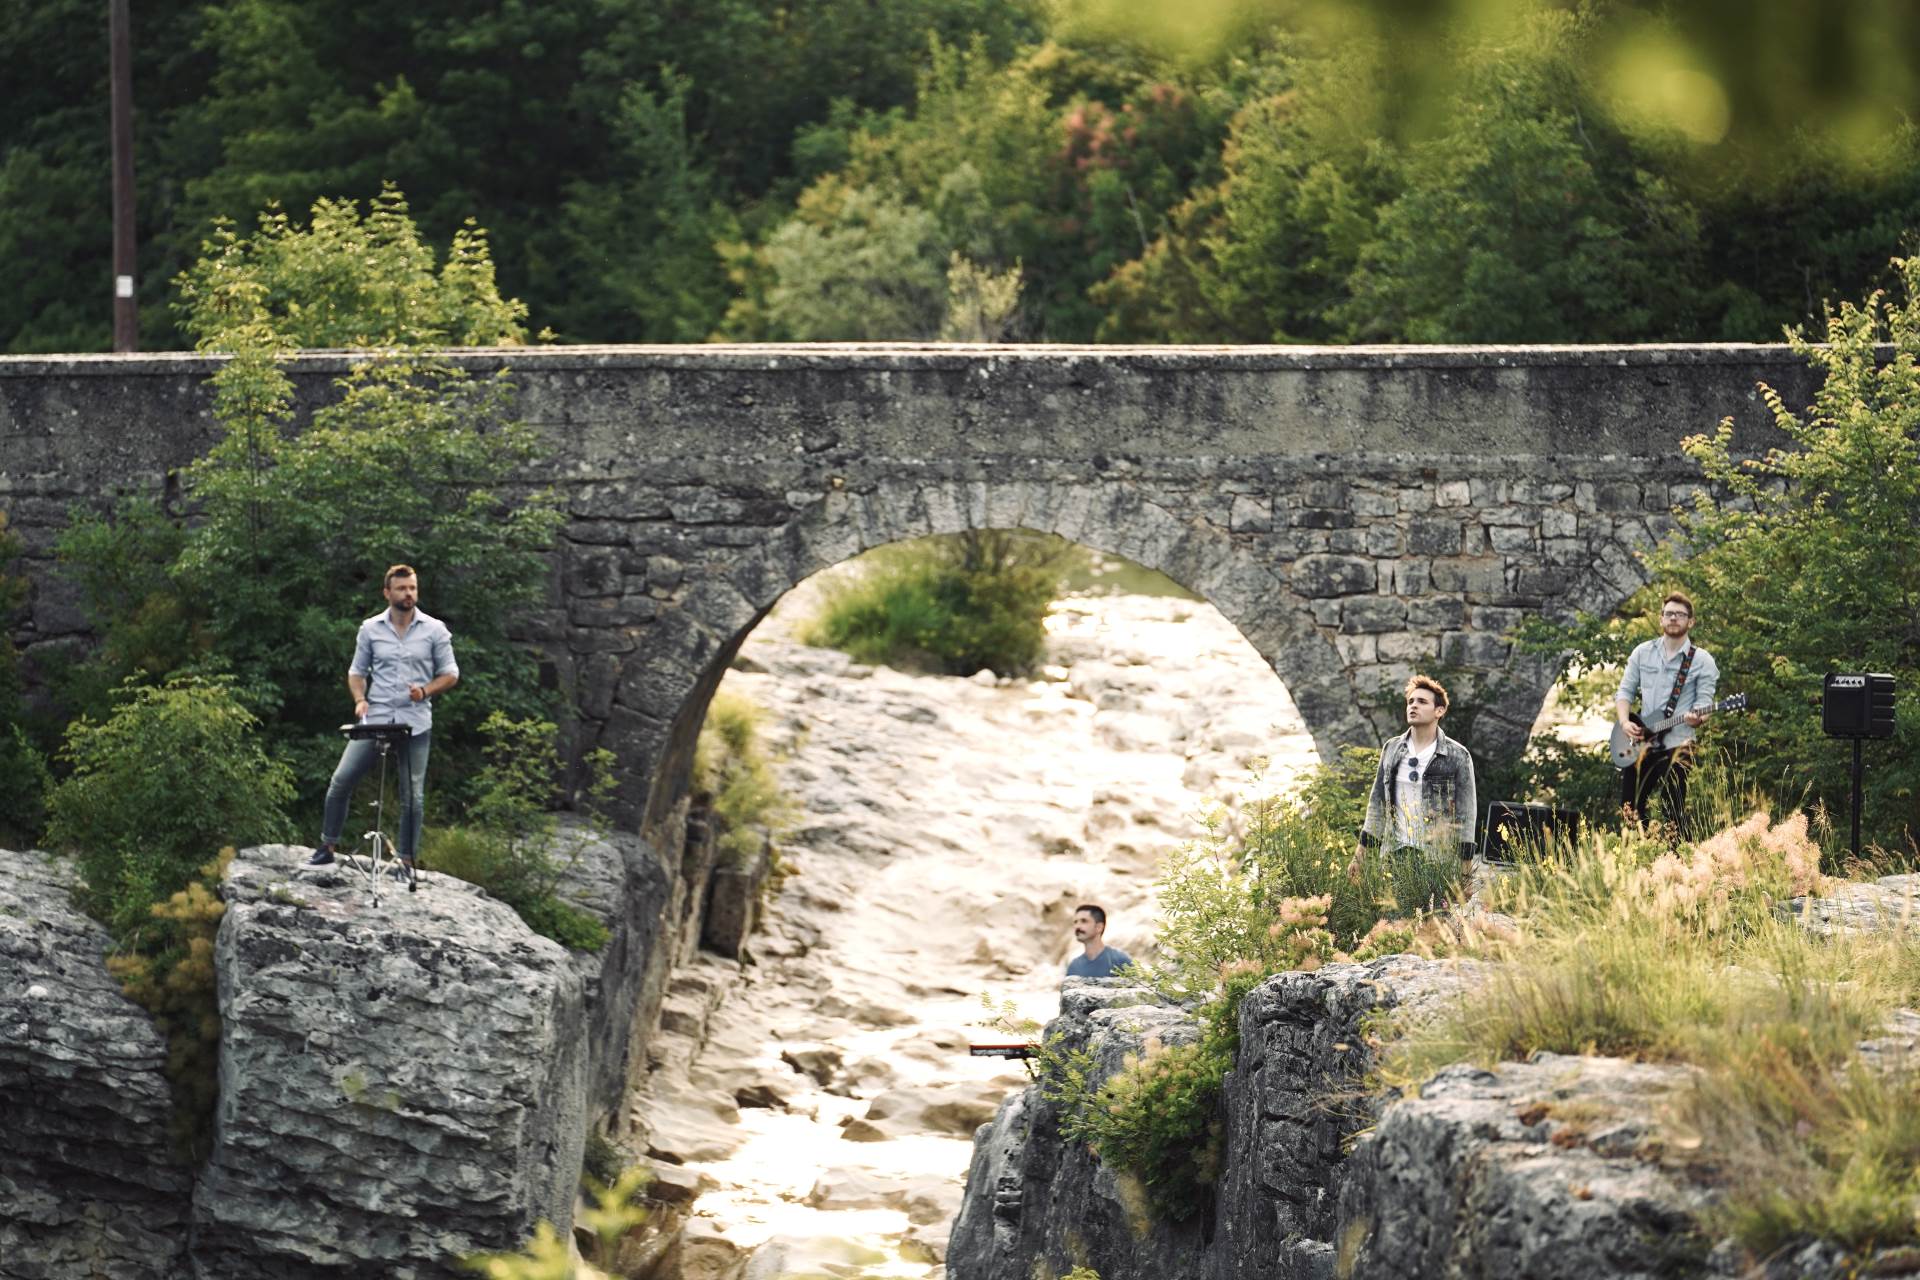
(870, 268)
(1810, 561)
(56, 241)
(1265, 254)
(641, 258)
(1526, 220)
(176, 772)
(1803, 561)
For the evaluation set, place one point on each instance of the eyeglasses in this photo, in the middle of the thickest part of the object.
(1413, 772)
(1675, 613)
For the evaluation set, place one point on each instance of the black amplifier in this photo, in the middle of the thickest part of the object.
(1857, 705)
(1509, 824)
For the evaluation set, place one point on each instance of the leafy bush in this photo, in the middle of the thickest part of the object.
(730, 766)
(166, 967)
(1158, 1119)
(512, 845)
(24, 779)
(176, 771)
(1220, 897)
(413, 461)
(548, 1256)
(952, 604)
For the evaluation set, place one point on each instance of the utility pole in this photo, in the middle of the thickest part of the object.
(126, 331)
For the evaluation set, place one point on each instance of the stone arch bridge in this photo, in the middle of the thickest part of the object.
(1356, 512)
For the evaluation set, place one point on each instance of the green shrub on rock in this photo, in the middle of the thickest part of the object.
(731, 768)
(166, 967)
(176, 772)
(512, 845)
(1234, 912)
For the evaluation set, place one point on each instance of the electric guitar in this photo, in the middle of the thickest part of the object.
(1627, 753)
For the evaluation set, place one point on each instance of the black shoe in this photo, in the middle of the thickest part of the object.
(403, 870)
(323, 856)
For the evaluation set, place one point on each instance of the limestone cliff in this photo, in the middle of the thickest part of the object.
(401, 1083)
(88, 1184)
(1546, 1168)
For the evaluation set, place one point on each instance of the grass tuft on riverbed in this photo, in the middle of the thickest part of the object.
(949, 605)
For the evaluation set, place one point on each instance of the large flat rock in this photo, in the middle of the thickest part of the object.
(403, 1083)
(89, 1186)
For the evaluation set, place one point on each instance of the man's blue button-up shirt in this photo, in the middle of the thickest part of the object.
(393, 663)
(1650, 675)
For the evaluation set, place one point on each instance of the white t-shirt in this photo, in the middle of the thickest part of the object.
(1409, 819)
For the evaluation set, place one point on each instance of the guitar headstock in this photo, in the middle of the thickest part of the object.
(1738, 702)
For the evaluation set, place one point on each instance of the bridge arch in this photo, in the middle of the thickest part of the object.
(666, 697)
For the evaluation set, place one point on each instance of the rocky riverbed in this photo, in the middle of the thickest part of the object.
(820, 1099)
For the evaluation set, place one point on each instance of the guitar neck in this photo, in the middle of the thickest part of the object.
(1661, 726)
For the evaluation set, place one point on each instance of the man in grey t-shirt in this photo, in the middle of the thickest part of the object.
(1098, 960)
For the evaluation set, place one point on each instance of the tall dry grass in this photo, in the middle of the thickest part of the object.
(1626, 945)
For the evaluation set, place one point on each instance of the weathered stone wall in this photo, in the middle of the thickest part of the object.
(1354, 511)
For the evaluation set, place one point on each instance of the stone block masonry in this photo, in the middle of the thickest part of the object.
(1413, 500)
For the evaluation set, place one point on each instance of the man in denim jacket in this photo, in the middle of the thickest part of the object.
(1423, 796)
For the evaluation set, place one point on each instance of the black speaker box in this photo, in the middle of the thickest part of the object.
(1857, 705)
(1509, 824)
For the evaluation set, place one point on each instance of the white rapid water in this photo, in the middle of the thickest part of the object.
(946, 829)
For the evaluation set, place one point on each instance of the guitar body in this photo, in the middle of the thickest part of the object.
(1627, 753)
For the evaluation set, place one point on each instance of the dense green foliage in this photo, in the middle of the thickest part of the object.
(547, 1255)
(166, 966)
(1252, 171)
(23, 768)
(1808, 561)
(953, 604)
(512, 845)
(291, 533)
(173, 774)
(1235, 910)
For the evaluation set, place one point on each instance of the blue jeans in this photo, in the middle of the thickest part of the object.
(355, 761)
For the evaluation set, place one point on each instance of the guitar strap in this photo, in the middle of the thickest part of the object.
(1679, 683)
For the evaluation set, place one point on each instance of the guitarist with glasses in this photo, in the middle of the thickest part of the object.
(1674, 680)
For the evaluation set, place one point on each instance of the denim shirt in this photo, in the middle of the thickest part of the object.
(392, 663)
(1650, 673)
(1447, 795)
